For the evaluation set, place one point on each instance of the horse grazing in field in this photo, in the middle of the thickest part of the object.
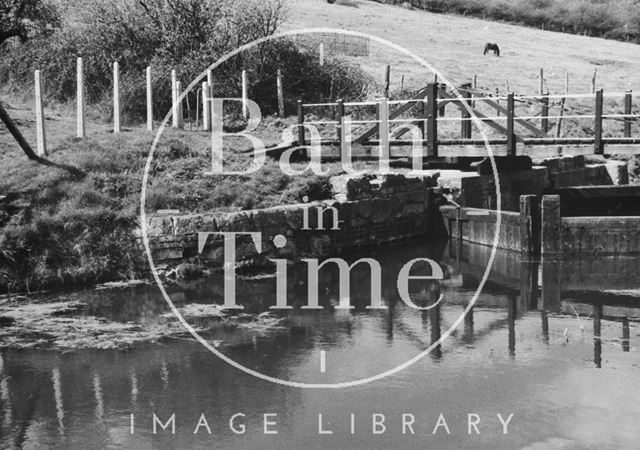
(489, 47)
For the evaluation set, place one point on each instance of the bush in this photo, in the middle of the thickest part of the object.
(186, 35)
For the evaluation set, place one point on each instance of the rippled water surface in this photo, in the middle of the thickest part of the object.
(553, 343)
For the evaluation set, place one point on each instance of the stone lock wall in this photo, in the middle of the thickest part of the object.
(372, 210)
(480, 191)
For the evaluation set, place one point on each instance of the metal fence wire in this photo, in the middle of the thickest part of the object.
(334, 44)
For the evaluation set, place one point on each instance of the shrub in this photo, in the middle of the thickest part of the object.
(186, 35)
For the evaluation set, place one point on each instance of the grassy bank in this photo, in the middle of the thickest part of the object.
(59, 230)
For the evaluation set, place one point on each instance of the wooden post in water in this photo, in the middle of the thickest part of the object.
(530, 224)
(387, 80)
(625, 334)
(544, 121)
(149, 101)
(280, 94)
(40, 131)
(599, 147)
(597, 334)
(551, 228)
(383, 127)
(116, 98)
(174, 100)
(206, 106)
(180, 106)
(245, 95)
(432, 119)
(301, 137)
(80, 117)
(628, 103)
(511, 135)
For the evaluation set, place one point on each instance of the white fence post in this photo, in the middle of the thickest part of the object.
(40, 133)
(80, 117)
(244, 94)
(149, 101)
(116, 98)
(206, 106)
(383, 126)
(179, 104)
(280, 94)
(174, 99)
(321, 53)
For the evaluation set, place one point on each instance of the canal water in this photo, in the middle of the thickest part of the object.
(551, 347)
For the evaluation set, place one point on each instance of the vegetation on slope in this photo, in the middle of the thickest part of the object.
(611, 19)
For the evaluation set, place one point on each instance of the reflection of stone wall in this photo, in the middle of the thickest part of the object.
(392, 208)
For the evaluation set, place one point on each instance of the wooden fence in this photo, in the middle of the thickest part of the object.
(426, 112)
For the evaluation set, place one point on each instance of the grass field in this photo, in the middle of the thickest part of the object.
(454, 45)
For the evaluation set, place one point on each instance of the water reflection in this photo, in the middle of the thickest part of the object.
(534, 324)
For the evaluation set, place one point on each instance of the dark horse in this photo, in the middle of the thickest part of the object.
(492, 47)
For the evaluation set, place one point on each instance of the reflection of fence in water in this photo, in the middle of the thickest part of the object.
(335, 44)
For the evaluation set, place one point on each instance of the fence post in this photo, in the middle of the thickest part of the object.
(425, 114)
(530, 224)
(40, 131)
(339, 119)
(551, 225)
(245, 95)
(541, 81)
(80, 117)
(628, 103)
(280, 94)
(180, 105)
(149, 101)
(383, 127)
(465, 124)
(475, 87)
(174, 100)
(387, 80)
(544, 122)
(206, 103)
(116, 98)
(301, 138)
(511, 135)
(432, 119)
(599, 148)
(321, 51)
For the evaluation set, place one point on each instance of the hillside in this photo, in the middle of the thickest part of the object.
(454, 45)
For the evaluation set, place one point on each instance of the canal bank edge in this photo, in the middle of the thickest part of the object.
(372, 209)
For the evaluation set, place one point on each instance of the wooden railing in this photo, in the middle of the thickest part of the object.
(427, 112)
